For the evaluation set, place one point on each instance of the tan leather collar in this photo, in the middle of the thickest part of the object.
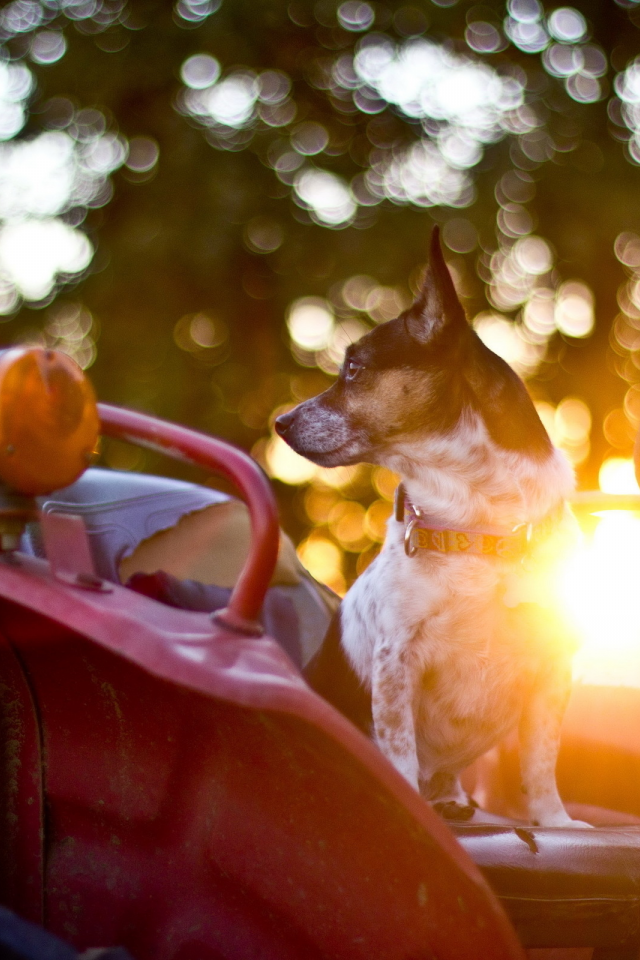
(422, 533)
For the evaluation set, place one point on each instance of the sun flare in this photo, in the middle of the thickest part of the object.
(600, 589)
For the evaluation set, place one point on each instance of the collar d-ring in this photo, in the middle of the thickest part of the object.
(409, 548)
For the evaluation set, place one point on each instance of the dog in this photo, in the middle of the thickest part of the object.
(449, 639)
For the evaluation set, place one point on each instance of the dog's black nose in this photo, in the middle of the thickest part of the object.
(283, 423)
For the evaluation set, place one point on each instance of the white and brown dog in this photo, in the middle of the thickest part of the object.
(444, 656)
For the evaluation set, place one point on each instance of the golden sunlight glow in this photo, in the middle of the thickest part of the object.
(323, 560)
(569, 426)
(599, 587)
(318, 503)
(310, 323)
(574, 314)
(375, 521)
(617, 476)
(340, 477)
(346, 523)
(285, 464)
(385, 482)
(510, 341)
(572, 422)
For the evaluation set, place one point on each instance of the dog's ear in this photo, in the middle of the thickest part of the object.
(437, 306)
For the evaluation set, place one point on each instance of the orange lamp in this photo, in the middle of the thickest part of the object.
(49, 421)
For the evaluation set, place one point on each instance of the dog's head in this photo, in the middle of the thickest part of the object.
(421, 374)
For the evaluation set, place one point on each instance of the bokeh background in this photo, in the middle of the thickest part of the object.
(204, 202)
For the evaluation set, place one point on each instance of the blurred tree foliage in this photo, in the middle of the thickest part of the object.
(175, 240)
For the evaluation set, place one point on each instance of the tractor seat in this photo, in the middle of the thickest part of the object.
(563, 887)
(184, 545)
(121, 510)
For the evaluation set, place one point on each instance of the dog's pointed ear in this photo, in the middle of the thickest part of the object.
(437, 306)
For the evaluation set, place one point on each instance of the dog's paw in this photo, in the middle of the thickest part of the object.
(564, 821)
(452, 810)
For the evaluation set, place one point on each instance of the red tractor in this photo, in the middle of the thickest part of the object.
(171, 785)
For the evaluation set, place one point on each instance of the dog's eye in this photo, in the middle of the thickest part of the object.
(352, 369)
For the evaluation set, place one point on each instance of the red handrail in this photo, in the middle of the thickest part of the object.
(211, 453)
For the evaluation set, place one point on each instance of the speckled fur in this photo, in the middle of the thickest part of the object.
(451, 668)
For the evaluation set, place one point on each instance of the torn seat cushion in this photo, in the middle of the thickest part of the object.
(195, 541)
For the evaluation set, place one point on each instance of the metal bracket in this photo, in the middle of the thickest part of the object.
(68, 551)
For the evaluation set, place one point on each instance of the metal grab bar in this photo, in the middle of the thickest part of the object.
(211, 453)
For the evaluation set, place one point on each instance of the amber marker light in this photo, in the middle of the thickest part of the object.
(48, 420)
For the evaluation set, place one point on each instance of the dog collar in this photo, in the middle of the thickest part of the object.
(422, 534)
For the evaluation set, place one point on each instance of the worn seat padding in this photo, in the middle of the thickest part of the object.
(563, 887)
(121, 511)
(142, 524)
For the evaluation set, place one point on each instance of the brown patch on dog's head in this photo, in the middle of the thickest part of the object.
(413, 377)
(392, 402)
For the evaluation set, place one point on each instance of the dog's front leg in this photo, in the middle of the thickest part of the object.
(539, 742)
(392, 691)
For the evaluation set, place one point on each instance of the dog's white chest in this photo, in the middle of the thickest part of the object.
(449, 612)
(465, 671)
